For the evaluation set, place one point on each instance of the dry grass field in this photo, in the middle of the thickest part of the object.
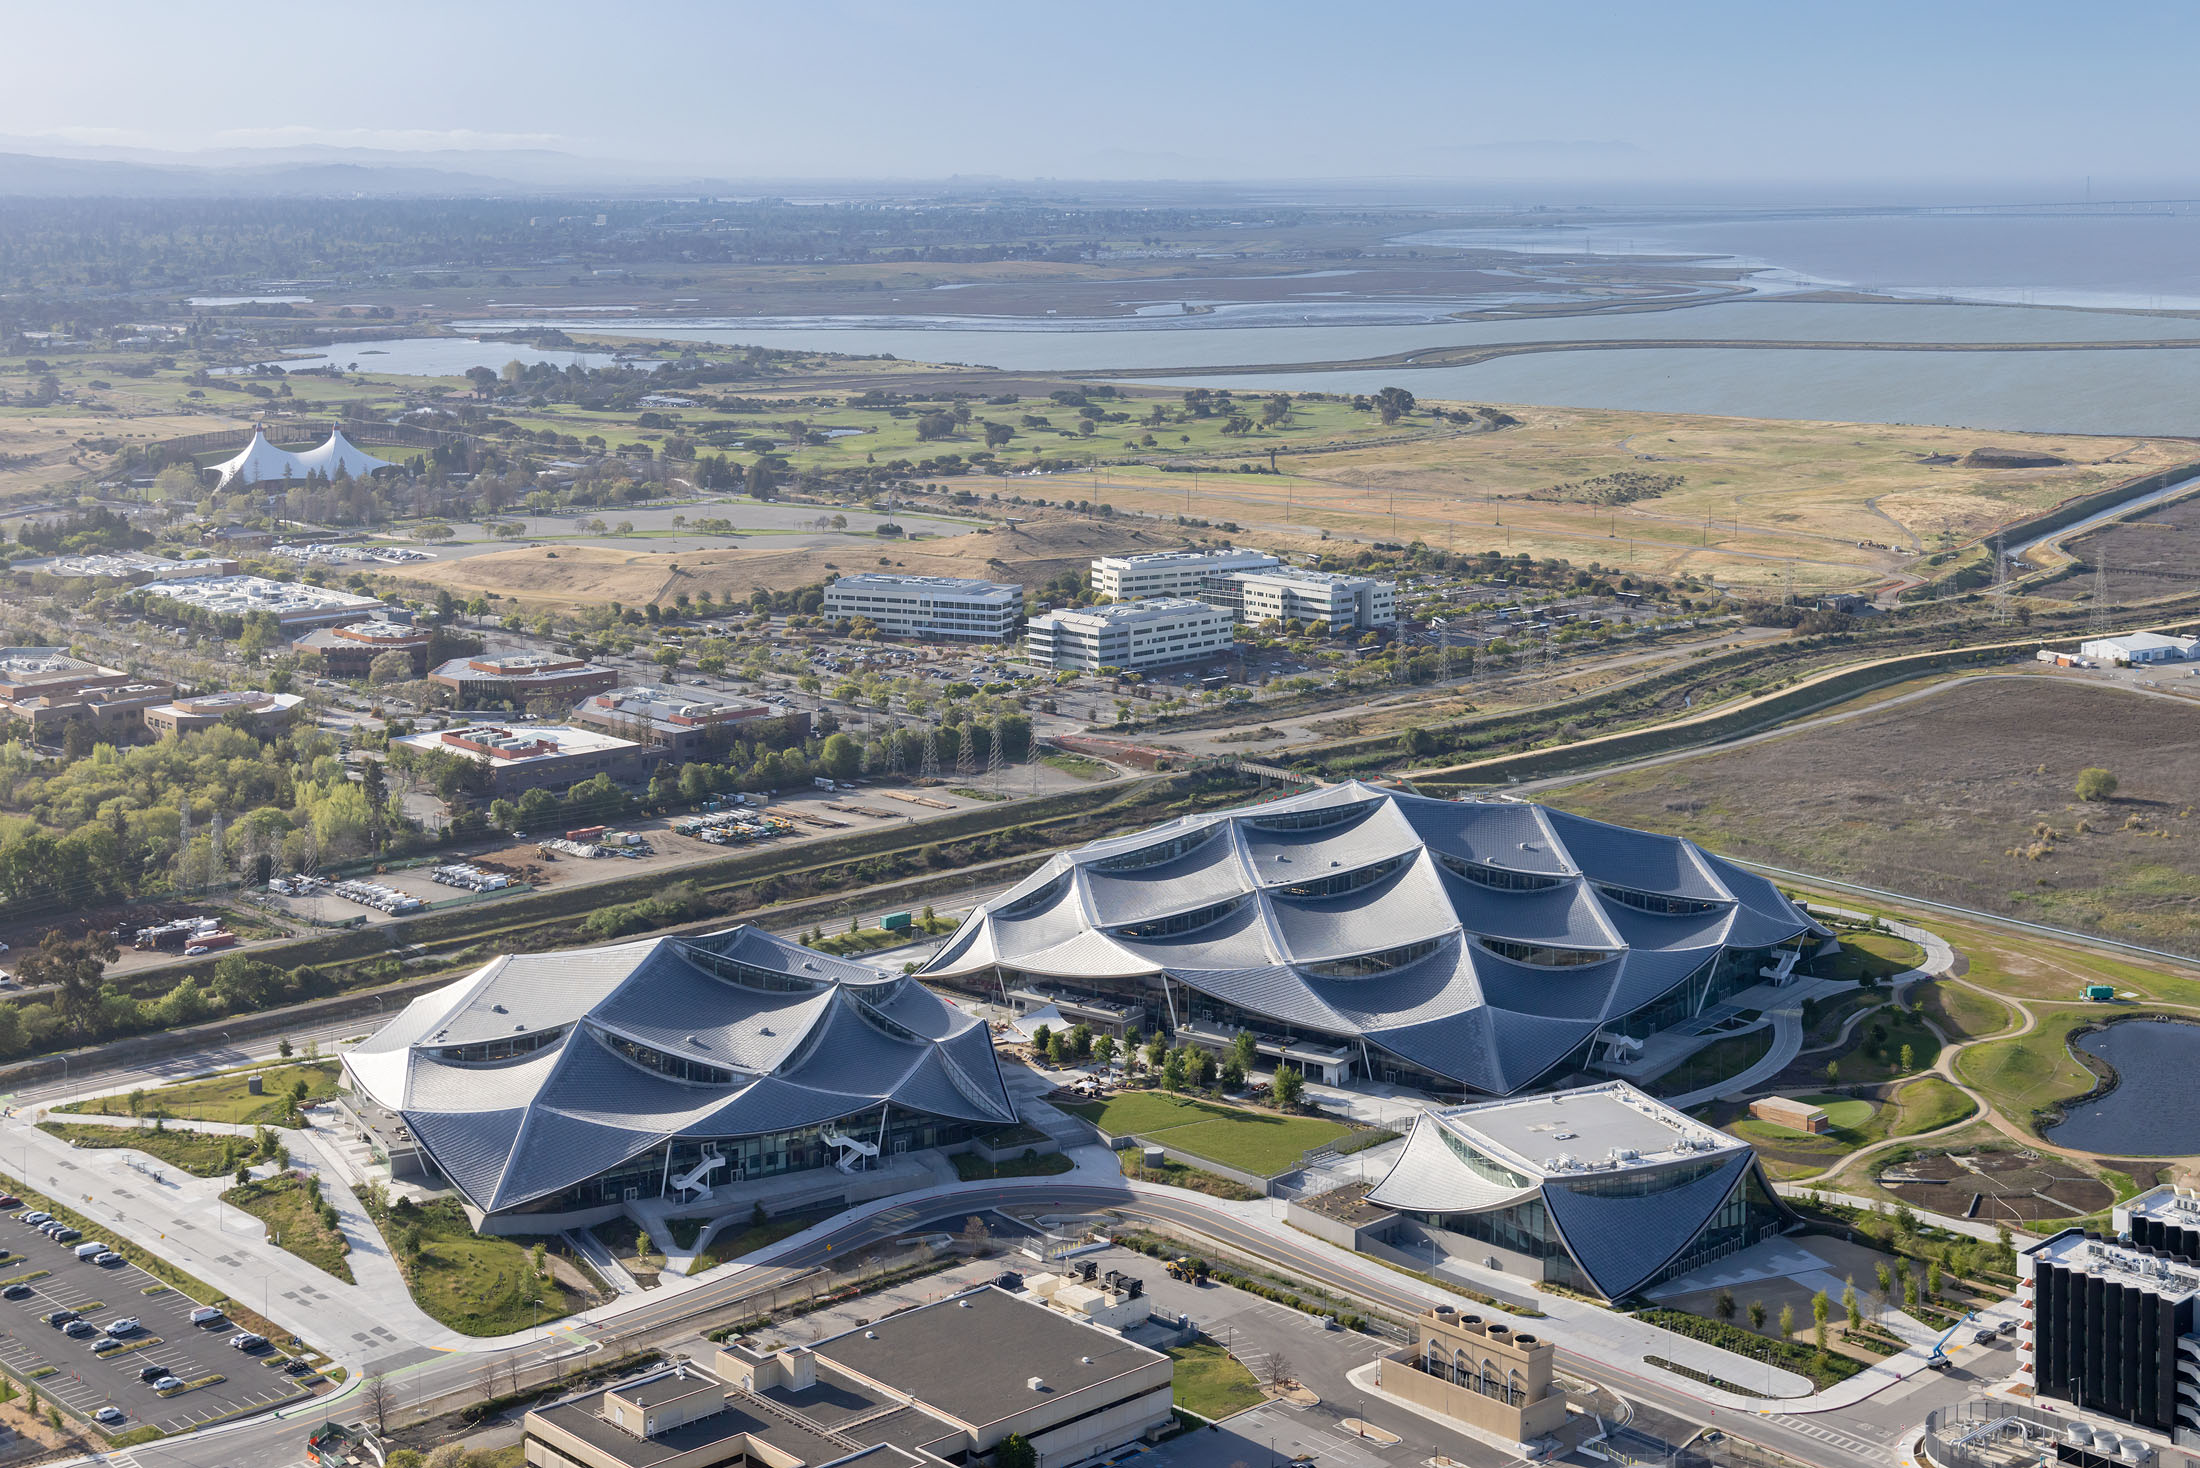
(1963, 797)
(2152, 555)
(569, 575)
(1758, 495)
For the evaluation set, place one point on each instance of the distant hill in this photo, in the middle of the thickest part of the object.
(28, 174)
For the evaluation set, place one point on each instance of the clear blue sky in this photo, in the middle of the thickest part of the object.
(1689, 91)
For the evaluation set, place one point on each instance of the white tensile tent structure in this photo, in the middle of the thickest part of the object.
(260, 461)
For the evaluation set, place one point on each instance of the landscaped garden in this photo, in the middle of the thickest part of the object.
(297, 1220)
(1263, 1143)
(477, 1284)
(226, 1097)
(1212, 1382)
(202, 1154)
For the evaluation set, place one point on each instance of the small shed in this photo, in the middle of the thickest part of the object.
(1794, 1115)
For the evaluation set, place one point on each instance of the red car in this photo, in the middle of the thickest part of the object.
(9, 1200)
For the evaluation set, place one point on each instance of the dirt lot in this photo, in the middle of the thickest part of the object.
(575, 575)
(1963, 796)
(2009, 1186)
(2152, 555)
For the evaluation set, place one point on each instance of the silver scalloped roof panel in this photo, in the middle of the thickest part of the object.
(1481, 940)
(793, 1037)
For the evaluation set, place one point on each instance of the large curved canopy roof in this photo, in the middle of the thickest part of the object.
(1479, 940)
(539, 1071)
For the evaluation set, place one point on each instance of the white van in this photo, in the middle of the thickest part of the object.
(90, 1251)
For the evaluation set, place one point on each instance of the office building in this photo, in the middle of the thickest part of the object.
(552, 1088)
(1454, 946)
(941, 1383)
(540, 756)
(1169, 573)
(1307, 597)
(520, 677)
(936, 608)
(1131, 635)
(293, 604)
(686, 724)
(349, 651)
(1599, 1188)
(48, 689)
(264, 714)
(2110, 1325)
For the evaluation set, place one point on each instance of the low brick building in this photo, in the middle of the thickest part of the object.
(685, 725)
(540, 756)
(520, 677)
(48, 689)
(1489, 1378)
(350, 651)
(265, 713)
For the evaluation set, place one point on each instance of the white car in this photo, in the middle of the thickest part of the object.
(127, 1325)
(108, 1415)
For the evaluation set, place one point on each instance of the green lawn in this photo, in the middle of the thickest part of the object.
(1875, 1048)
(734, 1244)
(476, 1284)
(290, 1207)
(1078, 765)
(1258, 1142)
(2022, 1074)
(1212, 1382)
(225, 1097)
(1927, 1104)
(1963, 1013)
(1866, 957)
(201, 1154)
(1845, 1113)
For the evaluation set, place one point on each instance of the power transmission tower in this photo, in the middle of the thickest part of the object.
(995, 760)
(2002, 599)
(2097, 615)
(1031, 763)
(893, 751)
(930, 768)
(183, 839)
(214, 864)
(966, 758)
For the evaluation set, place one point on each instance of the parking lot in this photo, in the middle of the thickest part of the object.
(85, 1382)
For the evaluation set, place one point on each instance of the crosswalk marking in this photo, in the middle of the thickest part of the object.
(1830, 1436)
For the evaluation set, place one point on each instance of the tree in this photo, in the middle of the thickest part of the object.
(1279, 1369)
(1849, 1310)
(1909, 1059)
(1015, 1452)
(1723, 1306)
(2095, 783)
(1290, 1086)
(1057, 1050)
(1833, 1071)
(976, 1238)
(1393, 403)
(72, 966)
(1245, 1050)
(1885, 1278)
(1041, 1039)
(1757, 1315)
(447, 1455)
(1820, 1309)
(1103, 1049)
(1787, 1321)
(388, 668)
(379, 1399)
(1932, 1280)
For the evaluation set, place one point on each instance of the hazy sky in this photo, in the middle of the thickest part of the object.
(2017, 91)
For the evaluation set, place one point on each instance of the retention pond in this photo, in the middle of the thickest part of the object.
(2153, 1109)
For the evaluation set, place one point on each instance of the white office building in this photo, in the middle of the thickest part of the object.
(942, 608)
(1169, 573)
(1289, 594)
(1130, 635)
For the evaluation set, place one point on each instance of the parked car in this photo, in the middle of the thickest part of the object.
(206, 1315)
(245, 1340)
(67, 1235)
(80, 1329)
(127, 1325)
(9, 1200)
(151, 1373)
(58, 1317)
(34, 1219)
(108, 1415)
(17, 1292)
(105, 1344)
(1987, 1333)
(168, 1384)
(90, 1251)
(106, 1258)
